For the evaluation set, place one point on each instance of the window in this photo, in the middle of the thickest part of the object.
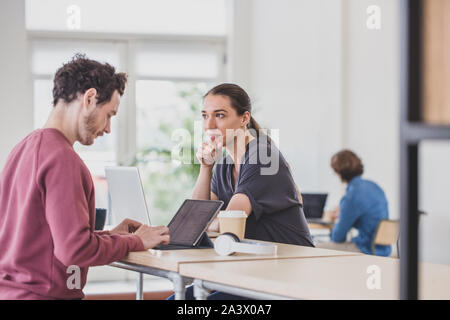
(171, 79)
(161, 108)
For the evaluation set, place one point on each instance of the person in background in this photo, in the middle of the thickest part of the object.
(47, 201)
(362, 207)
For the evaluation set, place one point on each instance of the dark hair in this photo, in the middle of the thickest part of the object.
(240, 101)
(347, 164)
(81, 74)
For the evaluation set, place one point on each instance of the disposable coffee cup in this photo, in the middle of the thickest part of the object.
(232, 221)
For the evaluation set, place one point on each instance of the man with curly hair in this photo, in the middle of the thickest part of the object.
(47, 202)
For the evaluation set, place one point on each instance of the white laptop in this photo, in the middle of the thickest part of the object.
(127, 195)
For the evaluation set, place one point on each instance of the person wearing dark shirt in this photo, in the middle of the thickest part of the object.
(276, 214)
(253, 176)
(362, 207)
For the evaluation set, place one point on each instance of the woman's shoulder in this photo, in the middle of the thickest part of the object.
(264, 153)
(262, 148)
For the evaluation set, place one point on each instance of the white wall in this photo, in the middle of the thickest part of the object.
(372, 94)
(16, 109)
(292, 53)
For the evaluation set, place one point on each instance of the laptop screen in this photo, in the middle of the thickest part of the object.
(313, 204)
(127, 195)
(191, 220)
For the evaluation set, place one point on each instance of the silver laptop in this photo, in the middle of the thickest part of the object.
(127, 194)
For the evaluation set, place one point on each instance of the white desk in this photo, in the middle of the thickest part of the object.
(335, 277)
(167, 263)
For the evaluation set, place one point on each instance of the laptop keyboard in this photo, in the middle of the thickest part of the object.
(171, 247)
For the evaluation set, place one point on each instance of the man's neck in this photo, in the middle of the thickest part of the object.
(62, 120)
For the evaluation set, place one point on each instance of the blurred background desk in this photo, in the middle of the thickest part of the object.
(319, 232)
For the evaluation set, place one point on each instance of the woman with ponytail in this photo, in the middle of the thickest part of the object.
(253, 176)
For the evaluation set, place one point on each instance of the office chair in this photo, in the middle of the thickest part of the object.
(386, 234)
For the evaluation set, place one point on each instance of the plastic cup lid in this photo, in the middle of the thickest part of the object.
(232, 214)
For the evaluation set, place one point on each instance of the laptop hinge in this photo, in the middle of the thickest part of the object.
(204, 242)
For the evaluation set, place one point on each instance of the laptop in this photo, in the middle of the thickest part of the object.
(313, 205)
(188, 226)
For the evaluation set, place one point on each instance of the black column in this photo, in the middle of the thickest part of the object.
(409, 222)
(410, 113)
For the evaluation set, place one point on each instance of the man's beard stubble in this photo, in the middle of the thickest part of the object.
(88, 130)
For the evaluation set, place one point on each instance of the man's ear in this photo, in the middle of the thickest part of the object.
(89, 98)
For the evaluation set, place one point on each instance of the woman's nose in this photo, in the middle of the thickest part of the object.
(210, 123)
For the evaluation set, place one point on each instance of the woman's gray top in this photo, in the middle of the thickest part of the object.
(265, 178)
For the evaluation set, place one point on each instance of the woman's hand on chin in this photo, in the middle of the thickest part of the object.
(208, 153)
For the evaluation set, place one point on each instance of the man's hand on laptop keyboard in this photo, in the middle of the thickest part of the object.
(127, 226)
(152, 236)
